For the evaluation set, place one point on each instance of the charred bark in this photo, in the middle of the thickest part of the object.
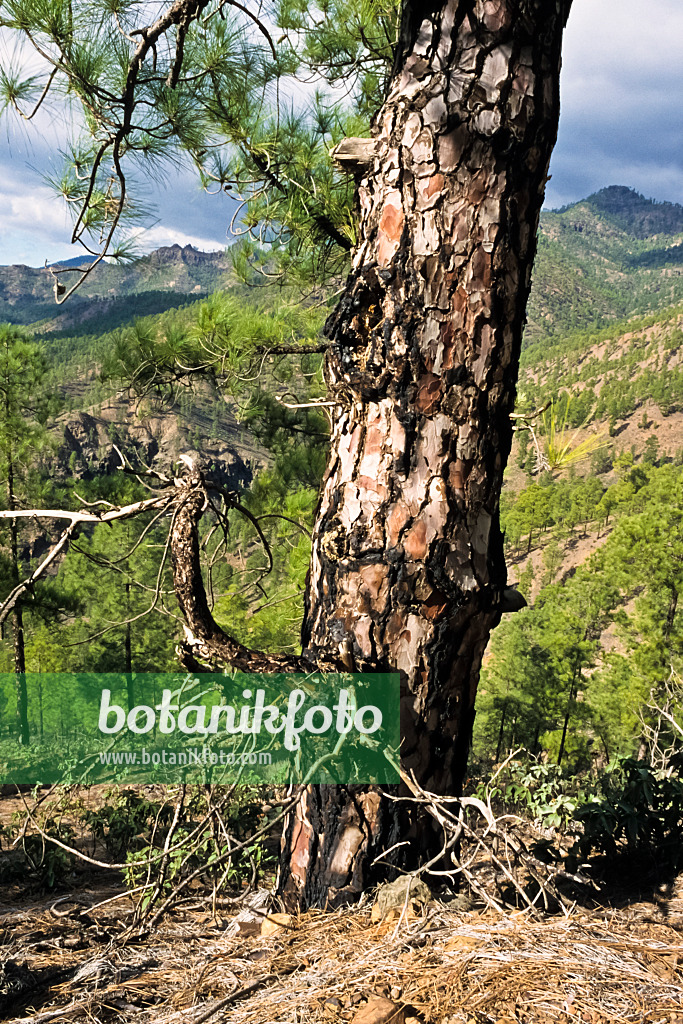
(407, 570)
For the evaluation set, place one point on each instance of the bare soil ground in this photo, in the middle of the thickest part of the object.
(64, 959)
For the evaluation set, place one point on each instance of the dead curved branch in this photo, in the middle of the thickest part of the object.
(206, 645)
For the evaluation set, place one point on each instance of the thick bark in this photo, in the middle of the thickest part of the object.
(407, 571)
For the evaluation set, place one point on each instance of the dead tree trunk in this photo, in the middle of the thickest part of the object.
(407, 571)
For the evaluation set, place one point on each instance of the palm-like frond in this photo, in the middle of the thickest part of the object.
(561, 448)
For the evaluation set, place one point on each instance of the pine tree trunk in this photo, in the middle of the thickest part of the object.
(408, 569)
(568, 711)
(501, 733)
(671, 615)
(128, 655)
(20, 675)
(17, 618)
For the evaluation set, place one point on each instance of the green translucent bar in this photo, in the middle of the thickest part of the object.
(227, 729)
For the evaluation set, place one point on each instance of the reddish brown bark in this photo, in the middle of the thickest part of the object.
(407, 571)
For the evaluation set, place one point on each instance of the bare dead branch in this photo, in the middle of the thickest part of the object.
(27, 584)
(661, 723)
(502, 846)
(77, 519)
(80, 516)
(306, 405)
(245, 990)
(205, 642)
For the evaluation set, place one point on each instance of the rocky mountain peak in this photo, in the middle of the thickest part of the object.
(187, 254)
(634, 214)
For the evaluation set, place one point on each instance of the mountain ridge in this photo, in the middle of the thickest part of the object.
(603, 258)
(172, 271)
(631, 210)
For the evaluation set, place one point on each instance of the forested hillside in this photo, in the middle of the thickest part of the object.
(248, 481)
(582, 684)
(613, 255)
(590, 531)
(591, 507)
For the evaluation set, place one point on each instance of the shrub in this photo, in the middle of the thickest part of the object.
(639, 811)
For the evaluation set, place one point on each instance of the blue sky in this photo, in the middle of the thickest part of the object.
(621, 124)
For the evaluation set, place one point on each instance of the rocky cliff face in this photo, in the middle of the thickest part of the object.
(175, 254)
(85, 442)
(86, 448)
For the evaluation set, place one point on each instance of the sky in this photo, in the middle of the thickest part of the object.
(621, 123)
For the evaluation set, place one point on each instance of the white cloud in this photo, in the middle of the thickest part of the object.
(35, 206)
(33, 223)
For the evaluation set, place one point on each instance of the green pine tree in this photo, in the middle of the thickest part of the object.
(25, 405)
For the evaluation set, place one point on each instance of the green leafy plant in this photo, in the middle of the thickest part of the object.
(126, 821)
(50, 863)
(544, 792)
(199, 851)
(638, 811)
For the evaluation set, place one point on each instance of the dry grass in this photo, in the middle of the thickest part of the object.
(444, 966)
